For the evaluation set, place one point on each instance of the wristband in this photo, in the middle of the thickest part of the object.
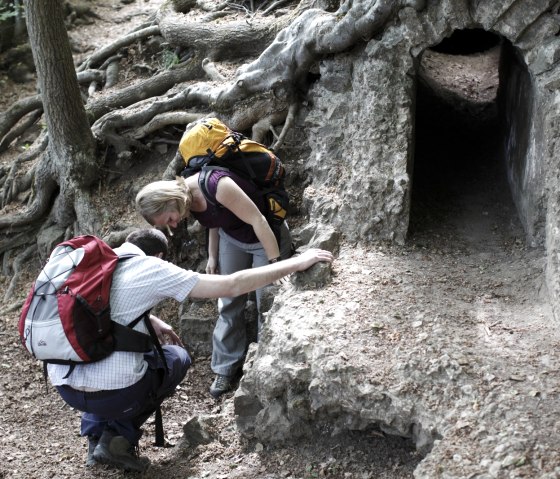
(273, 260)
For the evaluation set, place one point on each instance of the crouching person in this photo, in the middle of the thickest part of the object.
(119, 393)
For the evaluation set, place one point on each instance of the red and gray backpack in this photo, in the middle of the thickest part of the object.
(66, 318)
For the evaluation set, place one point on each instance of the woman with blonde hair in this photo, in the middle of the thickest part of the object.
(164, 196)
(239, 238)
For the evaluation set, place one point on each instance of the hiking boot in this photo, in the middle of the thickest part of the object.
(92, 444)
(222, 384)
(118, 452)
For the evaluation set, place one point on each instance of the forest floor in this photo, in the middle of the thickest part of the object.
(470, 240)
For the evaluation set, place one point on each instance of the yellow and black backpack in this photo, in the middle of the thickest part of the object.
(210, 144)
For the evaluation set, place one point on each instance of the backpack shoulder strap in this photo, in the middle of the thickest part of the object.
(134, 322)
(203, 179)
(160, 436)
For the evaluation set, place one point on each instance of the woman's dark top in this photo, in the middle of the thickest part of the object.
(218, 216)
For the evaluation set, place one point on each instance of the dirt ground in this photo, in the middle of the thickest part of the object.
(463, 232)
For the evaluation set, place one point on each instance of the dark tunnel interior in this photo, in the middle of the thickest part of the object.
(459, 176)
(467, 42)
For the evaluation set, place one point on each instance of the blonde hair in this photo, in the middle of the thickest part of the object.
(160, 196)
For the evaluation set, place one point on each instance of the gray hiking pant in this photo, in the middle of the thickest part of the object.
(229, 341)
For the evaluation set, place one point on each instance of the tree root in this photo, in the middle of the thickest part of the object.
(45, 186)
(11, 308)
(165, 119)
(20, 129)
(289, 122)
(116, 238)
(112, 76)
(16, 266)
(17, 111)
(157, 85)
(223, 41)
(115, 58)
(274, 6)
(264, 125)
(100, 55)
(211, 6)
(12, 186)
(92, 88)
(87, 76)
(154, 86)
(34, 105)
(210, 68)
(105, 128)
(214, 16)
(22, 238)
(174, 168)
(286, 62)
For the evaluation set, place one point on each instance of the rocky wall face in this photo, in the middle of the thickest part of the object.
(552, 131)
(360, 129)
(518, 119)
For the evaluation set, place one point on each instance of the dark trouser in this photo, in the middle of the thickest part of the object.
(125, 410)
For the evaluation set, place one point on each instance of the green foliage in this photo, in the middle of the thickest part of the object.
(9, 11)
(168, 59)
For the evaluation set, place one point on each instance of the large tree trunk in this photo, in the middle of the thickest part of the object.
(68, 166)
(70, 137)
(70, 159)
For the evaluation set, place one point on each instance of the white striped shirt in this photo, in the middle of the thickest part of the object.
(139, 283)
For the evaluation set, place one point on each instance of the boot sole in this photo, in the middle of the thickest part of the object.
(101, 458)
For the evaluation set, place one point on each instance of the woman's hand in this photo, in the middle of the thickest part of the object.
(212, 265)
(213, 247)
(164, 332)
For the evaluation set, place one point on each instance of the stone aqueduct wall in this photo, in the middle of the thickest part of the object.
(360, 127)
(364, 102)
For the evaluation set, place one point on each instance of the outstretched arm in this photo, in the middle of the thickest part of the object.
(212, 286)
